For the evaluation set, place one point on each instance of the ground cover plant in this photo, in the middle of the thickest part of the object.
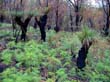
(54, 41)
(55, 60)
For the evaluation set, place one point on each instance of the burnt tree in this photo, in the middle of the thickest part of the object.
(106, 8)
(77, 4)
(23, 25)
(42, 23)
(57, 28)
(1, 18)
(82, 55)
(1, 11)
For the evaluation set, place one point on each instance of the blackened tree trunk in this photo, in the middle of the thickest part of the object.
(82, 55)
(1, 18)
(77, 16)
(77, 20)
(23, 25)
(57, 28)
(42, 23)
(107, 26)
(106, 8)
(71, 23)
(71, 19)
(35, 25)
(56, 21)
(90, 22)
(77, 4)
(1, 13)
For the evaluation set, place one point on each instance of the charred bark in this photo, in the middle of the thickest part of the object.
(77, 16)
(35, 25)
(106, 29)
(23, 25)
(1, 18)
(106, 8)
(42, 23)
(82, 55)
(56, 21)
(57, 28)
(71, 21)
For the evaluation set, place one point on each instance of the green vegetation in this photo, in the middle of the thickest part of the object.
(51, 61)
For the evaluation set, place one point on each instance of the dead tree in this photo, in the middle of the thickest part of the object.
(42, 23)
(57, 28)
(82, 55)
(77, 4)
(106, 8)
(1, 11)
(1, 18)
(23, 25)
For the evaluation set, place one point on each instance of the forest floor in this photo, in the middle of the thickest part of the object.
(51, 61)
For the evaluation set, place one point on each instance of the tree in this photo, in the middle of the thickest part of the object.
(42, 23)
(57, 28)
(82, 55)
(23, 25)
(106, 9)
(70, 15)
(1, 11)
(86, 37)
(77, 4)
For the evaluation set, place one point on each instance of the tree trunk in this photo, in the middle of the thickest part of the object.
(56, 21)
(23, 26)
(71, 21)
(42, 23)
(82, 55)
(1, 18)
(24, 31)
(106, 30)
(77, 17)
(77, 21)
(57, 28)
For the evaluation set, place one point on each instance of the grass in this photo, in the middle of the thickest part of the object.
(5, 25)
(51, 61)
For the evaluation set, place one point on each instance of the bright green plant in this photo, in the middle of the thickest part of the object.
(12, 75)
(86, 34)
(61, 75)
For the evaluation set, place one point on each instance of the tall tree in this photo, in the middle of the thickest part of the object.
(1, 11)
(57, 28)
(42, 23)
(77, 4)
(70, 15)
(23, 25)
(106, 9)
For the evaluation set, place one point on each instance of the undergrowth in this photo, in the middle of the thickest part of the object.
(52, 61)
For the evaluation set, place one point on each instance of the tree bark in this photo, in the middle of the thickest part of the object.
(77, 17)
(106, 30)
(82, 55)
(1, 18)
(23, 25)
(42, 23)
(57, 28)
